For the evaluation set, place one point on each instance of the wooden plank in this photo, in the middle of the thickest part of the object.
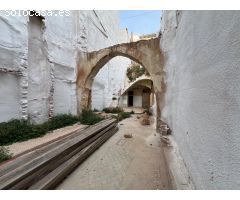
(13, 164)
(55, 177)
(36, 151)
(38, 174)
(21, 172)
(44, 158)
(22, 159)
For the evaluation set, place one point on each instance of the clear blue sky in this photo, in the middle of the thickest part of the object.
(141, 21)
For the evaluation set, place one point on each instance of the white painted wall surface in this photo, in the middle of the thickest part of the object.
(62, 38)
(13, 56)
(97, 96)
(9, 96)
(112, 75)
(124, 100)
(202, 104)
(137, 98)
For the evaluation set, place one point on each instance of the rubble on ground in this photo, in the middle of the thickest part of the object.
(145, 120)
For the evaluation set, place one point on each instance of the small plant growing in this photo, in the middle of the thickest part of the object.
(148, 112)
(95, 110)
(135, 71)
(60, 121)
(88, 117)
(113, 110)
(107, 110)
(123, 115)
(4, 154)
(22, 130)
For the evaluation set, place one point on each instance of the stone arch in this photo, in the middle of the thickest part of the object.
(145, 52)
(146, 84)
(102, 62)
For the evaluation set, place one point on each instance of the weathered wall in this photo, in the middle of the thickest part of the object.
(202, 99)
(63, 37)
(113, 73)
(137, 99)
(145, 52)
(38, 62)
(98, 95)
(38, 72)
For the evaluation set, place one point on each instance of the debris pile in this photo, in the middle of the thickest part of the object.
(145, 120)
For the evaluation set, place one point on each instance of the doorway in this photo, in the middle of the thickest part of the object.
(130, 99)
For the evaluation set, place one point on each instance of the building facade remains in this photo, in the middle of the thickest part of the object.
(38, 62)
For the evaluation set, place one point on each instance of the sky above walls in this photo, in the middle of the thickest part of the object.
(141, 21)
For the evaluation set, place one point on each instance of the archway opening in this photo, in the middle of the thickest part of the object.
(120, 82)
(146, 53)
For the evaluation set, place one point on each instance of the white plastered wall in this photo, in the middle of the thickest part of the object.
(53, 89)
(202, 101)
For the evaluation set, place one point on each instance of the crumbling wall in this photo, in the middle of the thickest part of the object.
(202, 99)
(38, 62)
(38, 72)
(63, 37)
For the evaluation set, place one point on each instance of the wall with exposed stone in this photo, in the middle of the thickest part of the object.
(38, 61)
(202, 98)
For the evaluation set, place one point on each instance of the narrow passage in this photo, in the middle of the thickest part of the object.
(124, 163)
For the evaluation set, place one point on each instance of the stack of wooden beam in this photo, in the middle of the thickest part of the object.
(47, 166)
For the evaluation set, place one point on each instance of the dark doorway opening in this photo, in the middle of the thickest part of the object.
(130, 99)
(146, 98)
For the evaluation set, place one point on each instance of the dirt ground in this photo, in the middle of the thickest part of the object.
(124, 163)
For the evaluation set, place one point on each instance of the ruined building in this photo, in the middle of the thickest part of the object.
(193, 64)
(38, 62)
